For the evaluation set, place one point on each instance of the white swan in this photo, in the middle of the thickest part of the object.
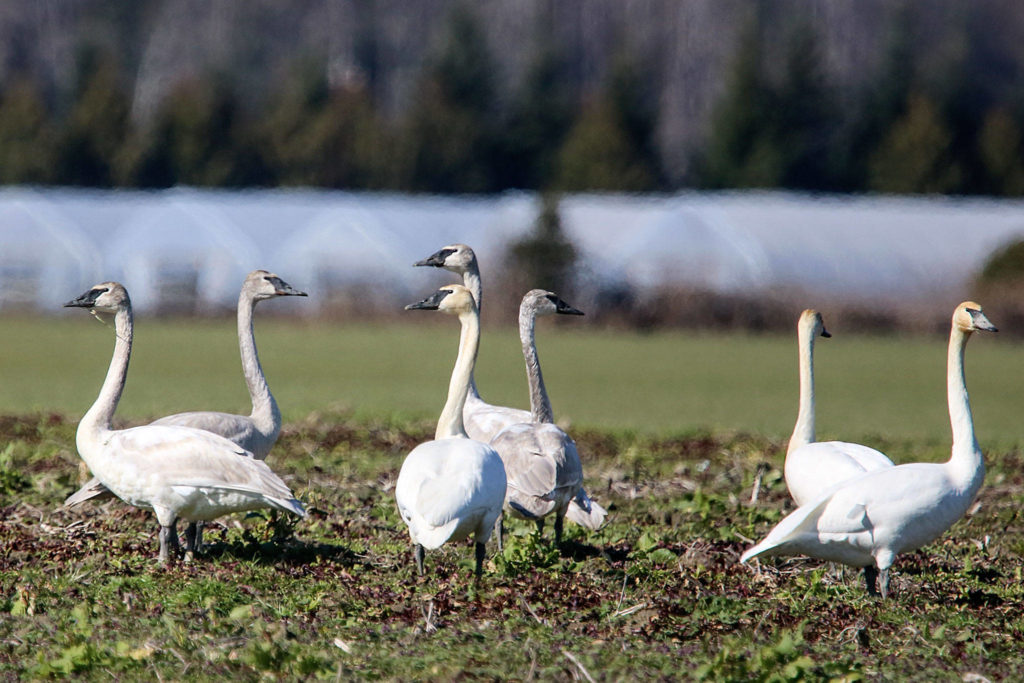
(814, 467)
(866, 522)
(452, 487)
(483, 421)
(256, 432)
(178, 472)
(541, 463)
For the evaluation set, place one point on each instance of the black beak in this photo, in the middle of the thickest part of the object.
(825, 333)
(282, 288)
(436, 259)
(431, 303)
(87, 300)
(564, 308)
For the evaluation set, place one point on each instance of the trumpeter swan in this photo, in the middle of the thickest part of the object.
(256, 432)
(541, 462)
(483, 420)
(867, 521)
(454, 486)
(178, 472)
(814, 467)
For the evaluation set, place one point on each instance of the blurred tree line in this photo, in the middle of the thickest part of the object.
(915, 127)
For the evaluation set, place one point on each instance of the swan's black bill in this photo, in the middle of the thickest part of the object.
(436, 259)
(282, 288)
(825, 333)
(562, 307)
(980, 321)
(87, 300)
(431, 303)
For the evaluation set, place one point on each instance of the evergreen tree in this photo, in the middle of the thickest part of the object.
(540, 117)
(739, 151)
(611, 145)
(1000, 149)
(27, 137)
(449, 142)
(92, 138)
(916, 155)
(545, 258)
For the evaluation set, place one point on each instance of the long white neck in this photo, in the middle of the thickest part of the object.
(450, 423)
(471, 280)
(98, 418)
(966, 461)
(803, 431)
(265, 412)
(540, 405)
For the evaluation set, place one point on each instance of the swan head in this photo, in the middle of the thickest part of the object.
(812, 324)
(968, 317)
(543, 302)
(106, 297)
(458, 258)
(260, 285)
(453, 299)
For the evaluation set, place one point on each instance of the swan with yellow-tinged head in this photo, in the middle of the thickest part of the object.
(868, 521)
(452, 487)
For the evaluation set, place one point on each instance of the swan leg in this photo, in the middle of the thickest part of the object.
(168, 543)
(540, 526)
(418, 553)
(559, 520)
(499, 529)
(193, 540)
(870, 578)
(481, 552)
(884, 576)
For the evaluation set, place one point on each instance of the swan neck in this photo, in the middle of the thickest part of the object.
(265, 412)
(471, 280)
(99, 417)
(450, 423)
(966, 456)
(804, 429)
(540, 405)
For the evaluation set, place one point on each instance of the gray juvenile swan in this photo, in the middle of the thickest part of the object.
(178, 472)
(454, 486)
(541, 463)
(256, 432)
(484, 421)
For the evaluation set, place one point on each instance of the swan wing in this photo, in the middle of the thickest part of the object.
(483, 421)
(815, 468)
(239, 429)
(164, 456)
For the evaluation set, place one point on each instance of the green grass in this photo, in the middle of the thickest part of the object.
(657, 593)
(873, 389)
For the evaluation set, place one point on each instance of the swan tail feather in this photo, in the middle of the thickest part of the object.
(802, 520)
(92, 490)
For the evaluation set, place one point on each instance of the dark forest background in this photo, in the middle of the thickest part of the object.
(441, 96)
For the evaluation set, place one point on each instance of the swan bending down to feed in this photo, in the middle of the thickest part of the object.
(814, 467)
(256, 432)
(483, 421)
(178, 472)
(541, 463)
(866, 522)
(454, 486)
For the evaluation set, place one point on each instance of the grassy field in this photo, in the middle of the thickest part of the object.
(674, 430)
(875, 389)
